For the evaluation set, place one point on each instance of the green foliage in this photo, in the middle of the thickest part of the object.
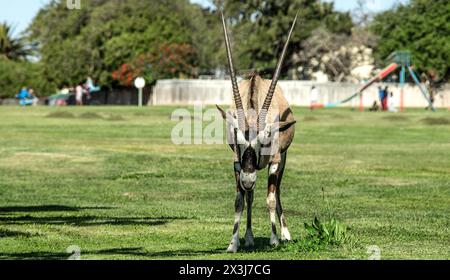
(12, 48)
(422, 27)
(168, 61)
(329, 232)
(320, 236)
(105, 35)
(260, 28)
(98, 39)
(15, 75)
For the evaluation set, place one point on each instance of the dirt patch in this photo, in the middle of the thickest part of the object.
(90, 115)
(37, 160)
(340, 117)
(141, 114)
(61, 115)
(310, 119)
(115, 117)
(436, 121)
(396, 118)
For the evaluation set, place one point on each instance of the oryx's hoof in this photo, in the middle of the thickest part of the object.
(249, 238)
(285, 235)
(234, 246)
(274, 240)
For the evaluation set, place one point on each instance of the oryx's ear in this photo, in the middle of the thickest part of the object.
(228, 117)
(222, 112)
(282, 126)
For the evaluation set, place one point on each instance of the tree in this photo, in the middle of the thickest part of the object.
(106, 34)
(422, 27)
(169, 61)
(17, 74)
(10, 47)
(260, 29)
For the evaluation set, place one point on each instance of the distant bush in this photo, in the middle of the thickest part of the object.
(17, 74)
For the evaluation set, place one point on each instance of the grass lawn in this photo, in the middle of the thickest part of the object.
(110, 181)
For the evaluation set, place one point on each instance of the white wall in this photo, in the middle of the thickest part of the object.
(209, 92)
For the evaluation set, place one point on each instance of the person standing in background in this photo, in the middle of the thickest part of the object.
(79, 94)
(384, 103)
(392, 103)
(426, 81)
(33, 97)
(314, 97)
(381, 96)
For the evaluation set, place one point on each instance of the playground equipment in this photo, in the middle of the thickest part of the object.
(398, 59)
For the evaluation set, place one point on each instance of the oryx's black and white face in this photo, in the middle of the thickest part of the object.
(249, 164)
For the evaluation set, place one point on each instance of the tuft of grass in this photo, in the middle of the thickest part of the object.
(320, 236)
(328, 232)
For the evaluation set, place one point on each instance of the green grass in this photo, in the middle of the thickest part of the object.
(109, 180)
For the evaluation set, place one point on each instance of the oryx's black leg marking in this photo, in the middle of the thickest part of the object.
(285, 235)
(238, 209)
(249, 232)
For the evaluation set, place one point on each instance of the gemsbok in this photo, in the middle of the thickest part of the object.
(261, 128)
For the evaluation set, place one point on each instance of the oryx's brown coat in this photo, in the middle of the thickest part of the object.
(253, 92)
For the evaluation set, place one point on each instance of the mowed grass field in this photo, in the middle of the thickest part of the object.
(110, 181)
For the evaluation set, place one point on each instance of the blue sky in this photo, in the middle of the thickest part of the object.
(20, 13)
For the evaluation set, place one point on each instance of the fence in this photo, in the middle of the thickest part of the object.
(209, 92)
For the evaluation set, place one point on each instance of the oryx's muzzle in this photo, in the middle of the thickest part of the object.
(248, 180)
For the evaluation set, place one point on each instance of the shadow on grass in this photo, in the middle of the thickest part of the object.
(262, 244)
(128, 251)
(436, 121)
(34, 256)
(48, 208)
(88, 220)
(13, 233)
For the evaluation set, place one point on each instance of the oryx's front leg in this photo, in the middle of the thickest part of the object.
(285, 235)
(272, 201)
(249, 232)
(238, 209)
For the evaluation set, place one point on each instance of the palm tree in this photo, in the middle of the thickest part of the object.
(11, 48)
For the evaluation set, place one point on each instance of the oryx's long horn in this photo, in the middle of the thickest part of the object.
(236, 95)
(276, 76)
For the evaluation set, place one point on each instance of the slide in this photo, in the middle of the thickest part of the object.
(383, 74)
